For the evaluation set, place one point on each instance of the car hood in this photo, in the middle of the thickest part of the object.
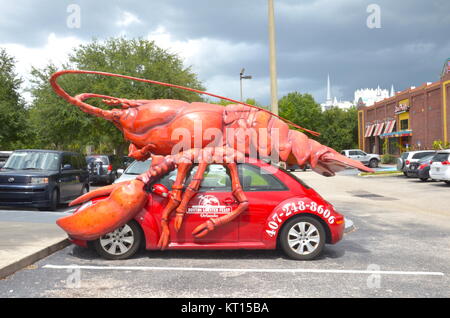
(126, 177)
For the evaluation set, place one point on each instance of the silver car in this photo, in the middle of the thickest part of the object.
(133, 170)
(369, 159)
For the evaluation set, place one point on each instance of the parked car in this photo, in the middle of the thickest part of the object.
(420, 169)
(42, 178)
(133, 170)
(102, 168)
(4, 155)
(297, 167)
(440, 166)
(126, 161)
(408, 157)
(283, 211)
(369, 159)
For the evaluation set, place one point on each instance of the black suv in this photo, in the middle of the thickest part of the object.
(103, 168)
(42, 178)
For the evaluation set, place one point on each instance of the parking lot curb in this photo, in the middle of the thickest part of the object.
(381, 175)
(33, 258)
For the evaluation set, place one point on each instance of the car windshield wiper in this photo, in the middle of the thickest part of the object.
(7, 168)
(29, 168)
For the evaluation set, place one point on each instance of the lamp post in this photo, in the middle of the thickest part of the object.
(241, 77)
(273, 58)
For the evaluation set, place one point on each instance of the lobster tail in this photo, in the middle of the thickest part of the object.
(323, 160)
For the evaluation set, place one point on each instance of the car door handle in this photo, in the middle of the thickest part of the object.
(229, 201)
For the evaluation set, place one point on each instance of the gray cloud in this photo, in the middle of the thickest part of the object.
(313, 37)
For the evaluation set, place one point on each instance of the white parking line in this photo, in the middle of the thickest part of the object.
(242, 270)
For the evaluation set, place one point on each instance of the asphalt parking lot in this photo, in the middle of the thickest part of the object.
(400, 248)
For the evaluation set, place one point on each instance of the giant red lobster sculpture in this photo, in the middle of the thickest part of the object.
(153, 129)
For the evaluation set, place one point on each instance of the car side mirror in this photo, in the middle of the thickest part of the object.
(67, 167)
(119, 172)
(160, 190)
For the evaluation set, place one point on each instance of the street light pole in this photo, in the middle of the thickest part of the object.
(241, 77)
(273, 60)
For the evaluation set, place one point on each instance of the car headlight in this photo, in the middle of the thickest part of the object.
(38, 180)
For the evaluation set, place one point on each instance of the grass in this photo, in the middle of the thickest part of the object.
(389, 172)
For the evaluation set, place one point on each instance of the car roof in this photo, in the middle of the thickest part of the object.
(47, 150)
(444, 151)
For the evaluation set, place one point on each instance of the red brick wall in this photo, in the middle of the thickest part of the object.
(434, 115)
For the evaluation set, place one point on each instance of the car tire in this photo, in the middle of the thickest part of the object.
(448, 182)
(405, 174)
(53, 202)
(423, 179)
(297, 243)
(85, 189)
(122, 243)
(373, 163)
(400, 164)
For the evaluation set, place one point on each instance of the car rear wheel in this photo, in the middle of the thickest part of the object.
(122, 243)
(423, 179)
(448, 182)
(302, 238)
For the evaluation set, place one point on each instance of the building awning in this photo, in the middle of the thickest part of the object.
(369, 130)
(378, 129)
(389, 127)
(402, 133)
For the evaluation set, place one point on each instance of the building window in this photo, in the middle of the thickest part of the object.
(404, 125)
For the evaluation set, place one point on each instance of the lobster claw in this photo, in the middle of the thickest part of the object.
(92, 222)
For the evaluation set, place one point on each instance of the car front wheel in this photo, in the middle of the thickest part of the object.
(373, 163)
(302, 238)
(121, 243)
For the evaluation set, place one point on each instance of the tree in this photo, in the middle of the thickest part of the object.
(301, 109)
(340, 128)
(14, 131)
(61, 125)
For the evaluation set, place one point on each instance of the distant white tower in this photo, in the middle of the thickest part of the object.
(392, 91)
(328, 89)
(333, 102)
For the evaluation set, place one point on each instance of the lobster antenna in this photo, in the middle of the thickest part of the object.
(58, 88)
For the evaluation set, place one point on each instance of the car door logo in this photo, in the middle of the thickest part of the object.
(208, 206)
(11, 180)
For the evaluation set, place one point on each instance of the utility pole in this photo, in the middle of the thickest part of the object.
(273, 60)
(241, 77)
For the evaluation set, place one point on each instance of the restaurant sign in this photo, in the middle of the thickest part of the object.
(403, 106)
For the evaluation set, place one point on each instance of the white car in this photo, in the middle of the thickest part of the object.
(369, 159)
(440, 166)
(133, 170)
(411, 156)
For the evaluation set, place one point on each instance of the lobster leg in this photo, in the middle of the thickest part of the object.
(191, 190)
(174, 202)
(238, 193)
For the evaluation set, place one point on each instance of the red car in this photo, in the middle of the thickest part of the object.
(283, 212)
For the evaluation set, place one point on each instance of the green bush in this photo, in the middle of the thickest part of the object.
(387, 158)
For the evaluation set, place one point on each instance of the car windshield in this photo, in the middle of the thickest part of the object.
(102, 159)
(138, 167)
(32, 160)
(440, 157)
(426, 158)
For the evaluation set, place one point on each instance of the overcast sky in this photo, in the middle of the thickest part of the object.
(219, 37)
